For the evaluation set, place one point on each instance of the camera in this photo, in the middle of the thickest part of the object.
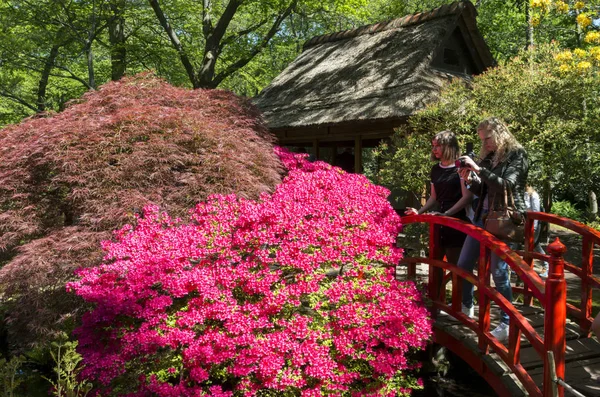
(461, 162)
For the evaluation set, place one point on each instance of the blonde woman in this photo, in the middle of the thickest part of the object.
(448, 195)
(504, 163)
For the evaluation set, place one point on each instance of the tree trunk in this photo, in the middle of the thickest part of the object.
(592, 205)
(212, 48)
(118, 51)
(529, 40)
(547, 201)
(43, 84)
(90, 65)
(185, 60)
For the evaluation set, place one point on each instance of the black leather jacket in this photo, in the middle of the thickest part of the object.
(512, 172)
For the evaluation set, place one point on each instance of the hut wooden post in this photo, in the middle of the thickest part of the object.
(358, 154)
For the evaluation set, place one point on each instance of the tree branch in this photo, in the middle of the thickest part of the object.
(244, 61)
(18, 100)
(187, 64)
(230, 39)
(219, 30)
(207, 27)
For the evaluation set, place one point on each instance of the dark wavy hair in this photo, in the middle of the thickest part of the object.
(447, 140)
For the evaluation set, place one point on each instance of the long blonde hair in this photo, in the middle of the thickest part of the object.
(504, 139)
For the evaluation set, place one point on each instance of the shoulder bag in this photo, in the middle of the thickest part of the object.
(506, 222)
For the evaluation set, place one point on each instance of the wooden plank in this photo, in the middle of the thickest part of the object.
(578, 349)
(582, 375)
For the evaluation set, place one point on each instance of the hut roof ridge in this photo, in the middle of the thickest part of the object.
(407, 20)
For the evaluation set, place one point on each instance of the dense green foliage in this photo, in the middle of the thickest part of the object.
(566, 209)
(54, 51)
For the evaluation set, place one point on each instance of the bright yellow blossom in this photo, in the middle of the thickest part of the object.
(584, 21)
(584, 66)
(595, 51)
(564, 68)
(579, 53)
(564, 56)
(592, 37)
(579, 5)
(543, 4)
(561, 6)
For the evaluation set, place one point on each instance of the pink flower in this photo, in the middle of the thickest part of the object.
(295, 291)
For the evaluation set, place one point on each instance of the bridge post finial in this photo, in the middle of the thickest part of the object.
(557, 264)
(555, 316)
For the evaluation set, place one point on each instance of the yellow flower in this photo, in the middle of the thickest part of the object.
(561, 6)
(584, 21)
(592, 37)
(564, 68)
(584, 66)
(540, 3)
(579, 53)
(535, 20)
(564, 56)
(594, 51)
(579, 5)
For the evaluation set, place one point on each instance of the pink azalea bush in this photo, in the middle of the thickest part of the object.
(293, 294)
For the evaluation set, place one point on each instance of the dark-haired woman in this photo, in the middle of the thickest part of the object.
(448, 195)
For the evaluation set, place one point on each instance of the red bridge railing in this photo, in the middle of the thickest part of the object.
(581, 310)
(551, 294)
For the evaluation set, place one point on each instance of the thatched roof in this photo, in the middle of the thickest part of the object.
(375, 72)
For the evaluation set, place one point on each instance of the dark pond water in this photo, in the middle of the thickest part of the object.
(459, 381)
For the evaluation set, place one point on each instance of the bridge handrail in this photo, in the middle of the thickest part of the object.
(590, 237)
(498, 247)
(518, 324)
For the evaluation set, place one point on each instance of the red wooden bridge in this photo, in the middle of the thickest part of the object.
(550, 351)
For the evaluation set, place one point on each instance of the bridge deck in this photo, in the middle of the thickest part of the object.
(582, 357)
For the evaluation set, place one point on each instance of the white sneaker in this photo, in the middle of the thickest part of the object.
(469, 311)
(501, 332)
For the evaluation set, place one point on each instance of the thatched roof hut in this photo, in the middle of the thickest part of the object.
(351, 88)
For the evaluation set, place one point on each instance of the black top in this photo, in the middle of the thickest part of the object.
(446, 183)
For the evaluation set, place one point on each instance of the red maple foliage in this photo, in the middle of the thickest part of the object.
(68, 180)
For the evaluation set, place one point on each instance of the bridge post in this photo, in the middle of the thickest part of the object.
(529, 247)
(436, 275)
(555, 317)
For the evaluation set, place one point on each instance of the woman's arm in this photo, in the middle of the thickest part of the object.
(431, 203)
(534, 200)
(466, 198)
(518, 166)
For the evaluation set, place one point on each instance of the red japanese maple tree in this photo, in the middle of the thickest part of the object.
(67, 180)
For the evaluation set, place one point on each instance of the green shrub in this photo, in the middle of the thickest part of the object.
(567, 210)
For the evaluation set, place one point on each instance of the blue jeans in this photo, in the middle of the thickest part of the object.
(469, 255)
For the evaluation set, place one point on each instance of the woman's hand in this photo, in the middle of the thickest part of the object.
(465, 174)
(411, 211)
(469, 164)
